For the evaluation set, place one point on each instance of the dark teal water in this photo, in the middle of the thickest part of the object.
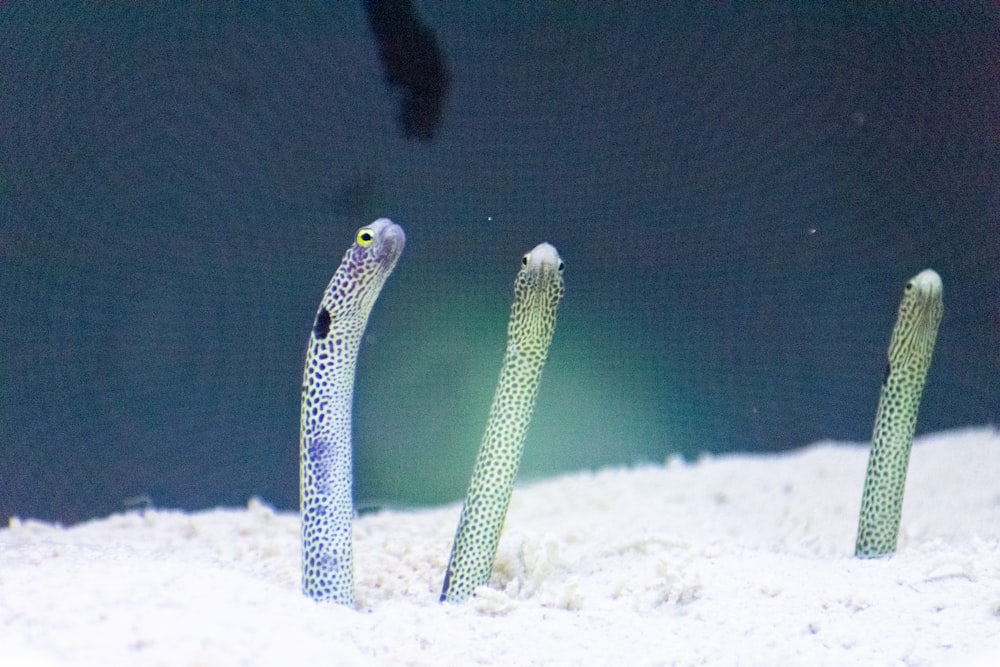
(739, 196)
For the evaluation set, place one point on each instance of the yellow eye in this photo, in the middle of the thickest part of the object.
(365, 237)
(524, 260)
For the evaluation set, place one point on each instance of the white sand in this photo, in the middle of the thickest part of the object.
(735, 560)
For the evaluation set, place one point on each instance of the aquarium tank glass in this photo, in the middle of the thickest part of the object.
(739, 193)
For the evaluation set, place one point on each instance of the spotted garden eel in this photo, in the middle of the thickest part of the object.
(325, 475)
(538, 289)
(909, 358)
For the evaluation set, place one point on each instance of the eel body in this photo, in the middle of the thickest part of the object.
(910, 353)
(325, 474)
(538, 290)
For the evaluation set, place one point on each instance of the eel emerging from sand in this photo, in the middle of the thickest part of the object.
(537, 291)
(909, 358)
(325, 475)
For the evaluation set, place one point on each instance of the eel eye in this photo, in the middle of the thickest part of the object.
(524, 260)
(561, 266)
(365, 237)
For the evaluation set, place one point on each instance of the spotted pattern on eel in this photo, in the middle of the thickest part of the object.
(538, 289)
(910, 353)
(325, 475)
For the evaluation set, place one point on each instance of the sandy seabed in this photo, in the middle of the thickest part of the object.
(734, 560)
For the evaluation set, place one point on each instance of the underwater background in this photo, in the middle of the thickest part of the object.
(739, 194)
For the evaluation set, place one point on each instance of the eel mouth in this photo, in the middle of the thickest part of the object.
(929, 294)
(928, 283)
(391, 240)
(543, 258)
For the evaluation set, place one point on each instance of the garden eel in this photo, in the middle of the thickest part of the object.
(538, 289)
(325, 476)
(909, 358)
